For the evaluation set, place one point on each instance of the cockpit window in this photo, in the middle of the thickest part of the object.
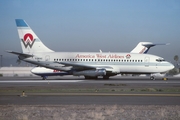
(160, 60)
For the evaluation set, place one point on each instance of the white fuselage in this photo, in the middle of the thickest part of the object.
(115, 62)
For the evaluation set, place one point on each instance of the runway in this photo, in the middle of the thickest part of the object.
(70, 80)
(127, 79)
(87, 100)
(76, 90)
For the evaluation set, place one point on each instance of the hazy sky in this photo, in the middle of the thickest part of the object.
(90, 25)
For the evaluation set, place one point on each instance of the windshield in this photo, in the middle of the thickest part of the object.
(160, 59)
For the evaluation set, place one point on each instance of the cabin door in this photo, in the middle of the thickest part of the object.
(146, 61)
(47, 58)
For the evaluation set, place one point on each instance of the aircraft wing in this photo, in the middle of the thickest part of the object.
(84, 67)
(20, 54)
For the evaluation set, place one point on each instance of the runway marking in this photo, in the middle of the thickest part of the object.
(89, 81)
(111, 94)
(98, 94)
(42, 81)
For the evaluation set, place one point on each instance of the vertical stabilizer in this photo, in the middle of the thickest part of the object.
(30, 42)
(143, 47)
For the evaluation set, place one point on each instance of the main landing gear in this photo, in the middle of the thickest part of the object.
(106, 77)
(44, 77)
(96, 77)
(152, 78)
(88, 77)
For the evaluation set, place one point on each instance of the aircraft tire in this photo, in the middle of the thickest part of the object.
(87, 77)
(44, 77)
(152, 78)
(105, 77)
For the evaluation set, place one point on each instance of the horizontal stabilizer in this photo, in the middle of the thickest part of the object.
(152, 44)
(20, 54)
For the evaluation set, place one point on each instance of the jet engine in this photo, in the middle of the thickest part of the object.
(91, 73)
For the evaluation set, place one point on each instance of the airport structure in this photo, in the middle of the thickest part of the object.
(16, 71)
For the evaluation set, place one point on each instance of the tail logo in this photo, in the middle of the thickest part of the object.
(28, 40)
(143, 50)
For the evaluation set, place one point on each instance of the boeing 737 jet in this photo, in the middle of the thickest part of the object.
(87, 64)
(141, 48)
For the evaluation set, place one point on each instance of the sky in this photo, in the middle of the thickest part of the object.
(90, 25)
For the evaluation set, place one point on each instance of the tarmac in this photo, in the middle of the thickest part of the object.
(82, 96)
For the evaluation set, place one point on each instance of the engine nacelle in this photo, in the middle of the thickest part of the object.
(91, 73)
(114, 69)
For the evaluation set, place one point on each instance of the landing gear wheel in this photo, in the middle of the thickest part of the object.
(44, 77)
(87, 77)
(105, 77)
(152, 78)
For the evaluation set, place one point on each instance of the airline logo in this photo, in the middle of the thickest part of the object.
(143, 50)
(28, 40)
(128, 56)
(55, 71)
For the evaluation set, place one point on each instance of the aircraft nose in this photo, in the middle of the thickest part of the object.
(171, 66)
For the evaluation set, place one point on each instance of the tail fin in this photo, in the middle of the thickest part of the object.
(140, 48)
(143, 47)
(30, 42)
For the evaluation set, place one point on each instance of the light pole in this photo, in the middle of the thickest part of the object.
(1, 60)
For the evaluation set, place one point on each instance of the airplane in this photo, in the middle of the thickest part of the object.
(87, 64)
(141, 48)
